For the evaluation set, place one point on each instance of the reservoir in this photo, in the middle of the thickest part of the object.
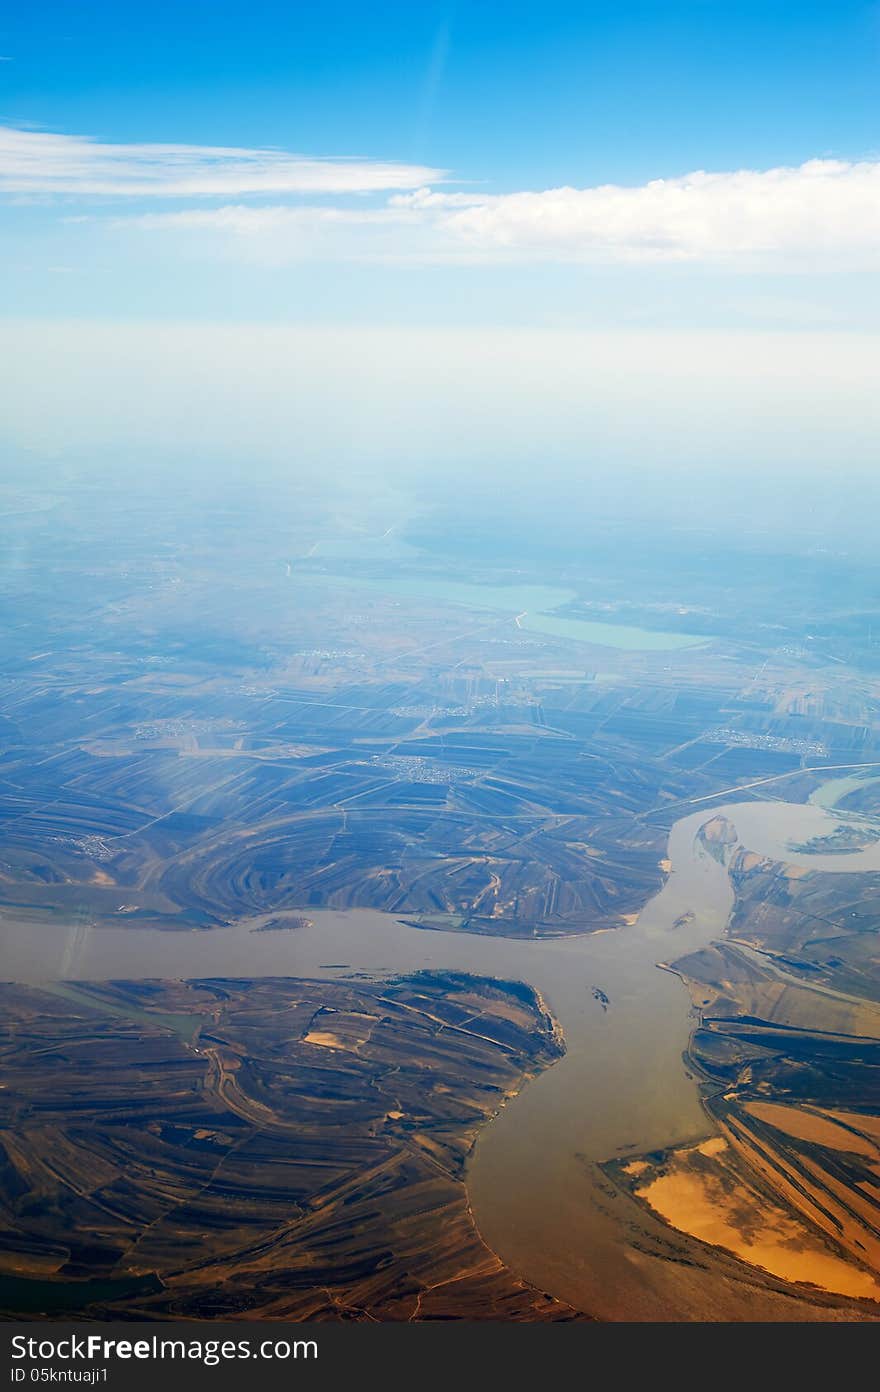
(530, 606)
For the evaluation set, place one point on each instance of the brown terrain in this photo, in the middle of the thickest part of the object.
(274, 1149)
(788, 1051)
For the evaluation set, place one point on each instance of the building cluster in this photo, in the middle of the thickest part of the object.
(171, 729)
(780, 744)
(415, 769)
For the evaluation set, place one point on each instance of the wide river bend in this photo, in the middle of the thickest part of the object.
(535, 1189)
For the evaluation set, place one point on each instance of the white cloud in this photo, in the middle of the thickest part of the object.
(824, 210)
(822, 215)
(38, 162)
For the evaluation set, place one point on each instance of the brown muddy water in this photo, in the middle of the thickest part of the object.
(537, 1194)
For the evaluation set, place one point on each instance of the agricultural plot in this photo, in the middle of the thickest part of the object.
(205, 1149)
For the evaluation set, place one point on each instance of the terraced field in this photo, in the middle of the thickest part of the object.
(284, 1149)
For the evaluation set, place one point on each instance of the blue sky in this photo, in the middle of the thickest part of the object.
(514, 94)
(497, 98)
(677, 169)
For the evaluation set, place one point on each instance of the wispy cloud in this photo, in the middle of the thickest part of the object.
(39, 162)
(823, 215)
(281, 234)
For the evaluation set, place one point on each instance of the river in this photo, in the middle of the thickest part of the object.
(536, 1191)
